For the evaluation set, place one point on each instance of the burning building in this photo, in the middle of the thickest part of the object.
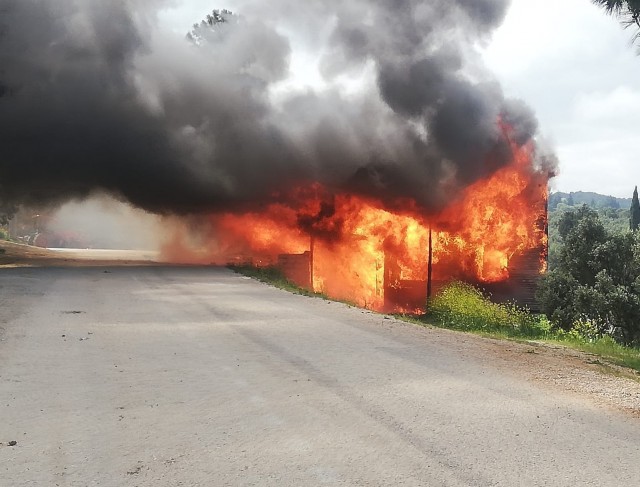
(404, 155)
(385, 256)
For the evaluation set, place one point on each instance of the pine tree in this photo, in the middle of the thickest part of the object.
(628, 11)
(634, 220)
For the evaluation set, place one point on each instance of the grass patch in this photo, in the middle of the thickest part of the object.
(462, 307)
(274, 276)
(606, 348)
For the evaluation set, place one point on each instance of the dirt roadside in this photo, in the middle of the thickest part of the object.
(19, 255)
(559, 367)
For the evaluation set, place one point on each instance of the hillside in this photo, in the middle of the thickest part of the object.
(594, 200)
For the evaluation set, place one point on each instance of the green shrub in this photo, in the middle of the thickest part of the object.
(4, 234)
(585, 330)
(464, 307)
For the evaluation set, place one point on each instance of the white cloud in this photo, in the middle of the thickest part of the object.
(600, 165)
(575, 66)
(620, 106)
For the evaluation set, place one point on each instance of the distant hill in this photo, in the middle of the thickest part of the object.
(594, 200)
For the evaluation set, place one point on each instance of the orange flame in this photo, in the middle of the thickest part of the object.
(367, 254)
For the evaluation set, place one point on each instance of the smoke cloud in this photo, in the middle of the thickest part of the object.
(96, 96)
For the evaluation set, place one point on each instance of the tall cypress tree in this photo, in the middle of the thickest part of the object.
(634, 220)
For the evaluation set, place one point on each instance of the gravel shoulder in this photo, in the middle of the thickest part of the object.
(562, 368)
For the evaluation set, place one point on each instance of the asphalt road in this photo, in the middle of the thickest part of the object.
(159, 376)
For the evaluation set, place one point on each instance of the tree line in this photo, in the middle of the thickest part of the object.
(594, 279)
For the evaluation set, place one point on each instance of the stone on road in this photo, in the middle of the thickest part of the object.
(161, 376)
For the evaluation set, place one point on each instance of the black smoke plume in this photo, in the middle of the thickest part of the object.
(96, 96)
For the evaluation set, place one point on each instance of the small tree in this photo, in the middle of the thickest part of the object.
(580, 232)
(634, 218)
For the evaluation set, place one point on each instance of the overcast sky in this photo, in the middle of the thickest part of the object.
(575, 66)
(569, 61)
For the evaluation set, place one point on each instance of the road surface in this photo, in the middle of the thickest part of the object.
(160, 376)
